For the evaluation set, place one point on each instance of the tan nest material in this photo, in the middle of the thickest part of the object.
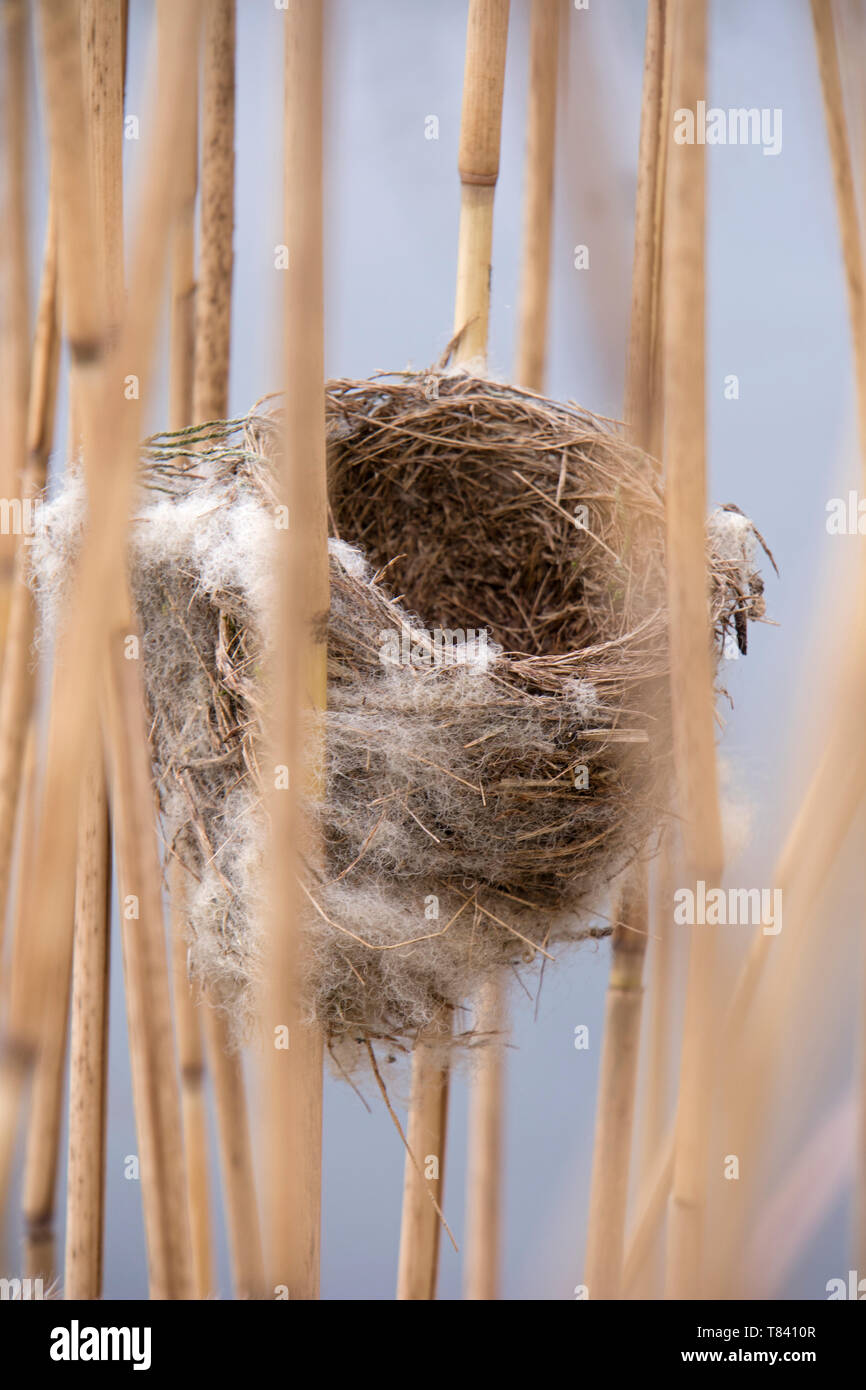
(496, 734)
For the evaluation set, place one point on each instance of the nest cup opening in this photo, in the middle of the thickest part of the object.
(489, 507)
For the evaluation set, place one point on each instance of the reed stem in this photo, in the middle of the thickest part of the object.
(14, 272)
(292, 1091)
(17, 681)
(690, 639)
(538, 198)
(88, 1043)
(188, 1007)
(619, 1063)
(212, 336)
(478, 162)
(617, 1085)
(213, 298)
(187, 1010)
(103, 28)
(418, 1265)
(485, 1147)
(236, 1156)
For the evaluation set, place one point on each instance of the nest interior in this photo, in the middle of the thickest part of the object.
(496, 745)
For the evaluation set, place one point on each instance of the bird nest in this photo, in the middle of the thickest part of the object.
(497, 747)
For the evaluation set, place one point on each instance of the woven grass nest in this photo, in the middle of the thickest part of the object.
(496, 734)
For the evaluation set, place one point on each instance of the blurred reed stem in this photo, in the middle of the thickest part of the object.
(187, 1006)
(619, 1061)
(692, 698)
(292, 1062)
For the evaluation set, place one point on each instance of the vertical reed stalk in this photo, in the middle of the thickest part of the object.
(644, 331)
(478, 162)
(485, 1147)
(43, 1125)
(88, 1042)
(210, 402)
(487, 1083)
(14, 374)
(17, 1046)
(658, 1058)
(14, 272)
(418, 1265)
(192, 1093)
(538, 204)
(617, 1082)
(618, 1079)
(846, 200)
(852, 254)
(649, 1212)
(236, 1155)
(151, 1042)
(187, 1007)
(292, 1090)
(690, 639)
(18, 680)
(103, 24)
(213, 298)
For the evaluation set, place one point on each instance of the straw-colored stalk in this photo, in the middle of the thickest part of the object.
(103, 25)
(658, 1054)
(96, 619)
(418, 1263)
(658, 1057)
(846, 199)
(649, 1213)
(39, 1188)
(855, 277)
(19, 1045)
(187, 1004)
(213, 293)
(151, 1041)
(17, 682)
(16, 702)
(44, 1120)
(618, 1079)
(210, 402)
(14, 271)
(690, 649)
(236, 1155)
(478, 162)
(14, 365)
(538, 197)
(617, 1082)
(641, 405)
(187, 1021)
(292, 1075)
(485, 1145)
(88, 1042)
(487, 1084)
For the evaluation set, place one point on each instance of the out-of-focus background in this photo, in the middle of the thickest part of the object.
(780, 450)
